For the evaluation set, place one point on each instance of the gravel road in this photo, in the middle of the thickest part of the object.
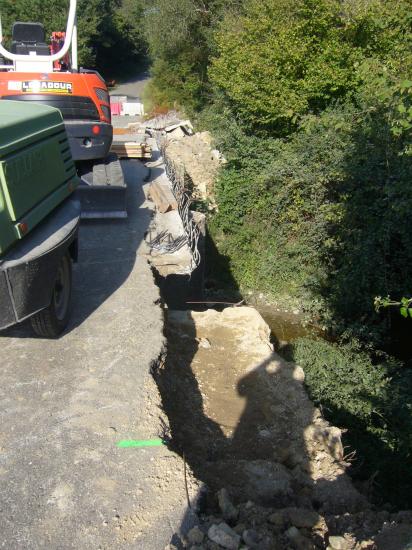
(65, 404)
(133, 87)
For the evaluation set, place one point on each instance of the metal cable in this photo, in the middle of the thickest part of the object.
(177, 178)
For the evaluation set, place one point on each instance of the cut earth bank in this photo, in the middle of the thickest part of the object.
(274, 472)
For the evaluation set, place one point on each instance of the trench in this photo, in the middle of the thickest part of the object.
(205, 398)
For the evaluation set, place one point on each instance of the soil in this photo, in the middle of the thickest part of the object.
(240, 417)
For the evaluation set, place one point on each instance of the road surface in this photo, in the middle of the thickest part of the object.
(65, 405)
(133, 87)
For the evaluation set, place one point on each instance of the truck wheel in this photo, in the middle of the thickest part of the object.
(51, 322)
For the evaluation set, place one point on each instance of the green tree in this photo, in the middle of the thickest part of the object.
(285, 58)
(179, 34)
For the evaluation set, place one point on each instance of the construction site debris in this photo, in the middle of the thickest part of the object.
(223, 535)
(160, 122)
(161, 194)
(131, 150)
(179, 130)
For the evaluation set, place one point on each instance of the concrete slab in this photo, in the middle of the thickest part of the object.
(65, 405)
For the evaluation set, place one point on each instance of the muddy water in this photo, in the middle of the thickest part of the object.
(285, 327)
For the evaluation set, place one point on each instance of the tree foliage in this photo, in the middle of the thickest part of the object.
(179, 34)
(283, 58)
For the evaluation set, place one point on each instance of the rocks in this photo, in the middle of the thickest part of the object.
(195, 536)
(194, 156)
(180, 130)
(206, 137)
(223, 535)
(298, 540)
(301, 517)
(292, 533)
(329, 437)
(371, 545)
(339, 543)
(298, 374)
(277, 519)
(267, 480)
(204, 343)
(229, 511)
(293, 459)
(251, 538)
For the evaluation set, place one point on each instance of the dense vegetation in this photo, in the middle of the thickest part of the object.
(372, 400)
(109, 30)
(311, 103)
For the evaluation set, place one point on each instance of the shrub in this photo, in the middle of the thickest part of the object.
(322, 217)
(373, 401)
(285, 58)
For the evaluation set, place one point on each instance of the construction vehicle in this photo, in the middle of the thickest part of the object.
(50, 75)
(39, 218)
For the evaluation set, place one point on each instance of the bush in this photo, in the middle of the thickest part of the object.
(373, 401)
(322, 217)
(285, 58)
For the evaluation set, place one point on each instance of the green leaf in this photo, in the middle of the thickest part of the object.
(406, 84)
(404, 312)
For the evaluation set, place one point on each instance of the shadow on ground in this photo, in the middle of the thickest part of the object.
(260, 437)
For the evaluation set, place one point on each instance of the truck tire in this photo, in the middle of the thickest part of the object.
(51, 322)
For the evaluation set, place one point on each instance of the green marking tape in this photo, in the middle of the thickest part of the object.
(140, 443)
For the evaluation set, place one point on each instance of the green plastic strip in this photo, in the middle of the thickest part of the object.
(140, 443)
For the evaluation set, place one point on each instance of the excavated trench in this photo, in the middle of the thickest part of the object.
(239, 416)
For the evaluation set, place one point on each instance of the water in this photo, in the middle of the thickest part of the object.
(285, 327)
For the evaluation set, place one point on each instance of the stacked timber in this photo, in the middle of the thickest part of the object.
(132, 149)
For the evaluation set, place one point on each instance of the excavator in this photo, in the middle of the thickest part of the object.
(36, 72)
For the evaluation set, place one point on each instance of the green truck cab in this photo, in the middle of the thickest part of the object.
(39, 218)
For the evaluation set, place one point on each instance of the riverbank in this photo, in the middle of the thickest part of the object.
(365, 393)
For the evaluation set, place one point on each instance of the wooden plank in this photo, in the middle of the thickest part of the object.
(162, 196)
(132, 150)
(120, 131)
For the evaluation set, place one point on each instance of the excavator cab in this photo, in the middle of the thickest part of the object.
(29, 39)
